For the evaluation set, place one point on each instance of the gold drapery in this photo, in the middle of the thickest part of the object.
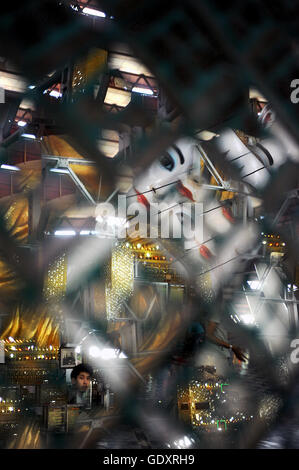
(10, 284)
(28, 438)
(30, 175)
(58, 146)
(88, 68)
(37, 325)
(88, 174)
(15, 216)
(15, 213)
(168, 329)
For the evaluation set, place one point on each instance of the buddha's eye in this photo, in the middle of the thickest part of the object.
(172, 158)
(167, 161)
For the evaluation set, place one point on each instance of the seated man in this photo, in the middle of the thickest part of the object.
(79, 393)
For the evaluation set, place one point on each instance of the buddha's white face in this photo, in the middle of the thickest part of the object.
(170, 167)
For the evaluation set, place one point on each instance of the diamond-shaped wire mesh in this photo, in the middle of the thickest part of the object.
(204, 56)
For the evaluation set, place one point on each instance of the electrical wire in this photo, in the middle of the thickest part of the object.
(220, 189)
(255, 171)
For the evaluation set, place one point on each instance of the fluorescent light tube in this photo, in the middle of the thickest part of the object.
(10, 167)
(64, 233)
(91, 11)
(59, 170)
(29, 136)
(143, 91)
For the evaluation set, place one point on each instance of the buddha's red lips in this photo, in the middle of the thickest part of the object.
(184, 191)
(142, 199)
(228, 215)
(205, 252)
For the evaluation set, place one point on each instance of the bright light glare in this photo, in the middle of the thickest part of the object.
(78, 349)
(11, 339)
(117, 221)
(64, 233)
(88, 232)
(183, 443)
(122, 356)
(106, 353)
(187, 441)
(253, 284)
(28, 136)
(55, 94)
(91, 11)
(142, 91)
(10, 167)
(94, 351)
(22, 123)
(248, 319)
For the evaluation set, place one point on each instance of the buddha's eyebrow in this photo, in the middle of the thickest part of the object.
(182, 159)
